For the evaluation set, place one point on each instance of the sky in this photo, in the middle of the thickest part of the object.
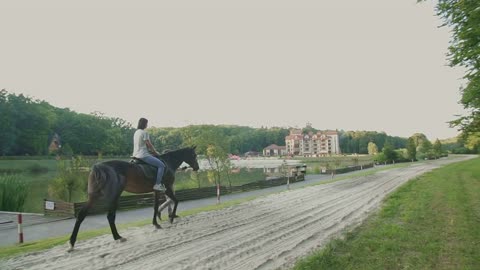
(377, 65)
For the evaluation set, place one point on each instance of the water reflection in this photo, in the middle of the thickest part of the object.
(242, 172)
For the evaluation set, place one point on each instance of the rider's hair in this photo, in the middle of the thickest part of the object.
(142, 123)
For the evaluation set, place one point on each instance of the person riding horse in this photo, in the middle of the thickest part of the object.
(107, 180)
(144, 150)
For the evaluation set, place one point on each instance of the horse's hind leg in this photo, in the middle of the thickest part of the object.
(111, 220)
(81, 216)
(155, 210)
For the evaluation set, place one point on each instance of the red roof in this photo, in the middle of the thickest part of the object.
(274, 146)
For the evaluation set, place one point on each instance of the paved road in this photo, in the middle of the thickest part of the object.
(36, 228)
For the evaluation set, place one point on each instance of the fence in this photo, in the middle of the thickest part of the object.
(348, 169)
(60, 208)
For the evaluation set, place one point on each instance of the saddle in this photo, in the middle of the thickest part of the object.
(149, 171)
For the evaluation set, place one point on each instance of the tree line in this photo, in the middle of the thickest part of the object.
(28, 126)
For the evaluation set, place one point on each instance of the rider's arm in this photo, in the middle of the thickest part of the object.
(151, 148)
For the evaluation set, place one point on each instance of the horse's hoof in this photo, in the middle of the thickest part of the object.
(70, 247)
(171, 220)
(157, 226)
(121, 240)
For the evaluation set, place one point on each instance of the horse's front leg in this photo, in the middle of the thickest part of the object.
(168, 202)
(171, 195)
(155, 210)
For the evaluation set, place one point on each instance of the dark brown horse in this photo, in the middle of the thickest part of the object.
(107, 180)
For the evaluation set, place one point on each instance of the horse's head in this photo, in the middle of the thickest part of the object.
(191, 158)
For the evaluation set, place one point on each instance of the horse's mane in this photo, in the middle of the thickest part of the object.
(169, 153)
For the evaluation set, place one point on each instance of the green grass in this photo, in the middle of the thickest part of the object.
(431, 222)
(316, 164)
(27, 165)
(13, 193)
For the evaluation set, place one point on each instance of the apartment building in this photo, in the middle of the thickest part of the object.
(322, 143)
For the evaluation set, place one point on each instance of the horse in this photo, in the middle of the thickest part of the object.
(107, 180)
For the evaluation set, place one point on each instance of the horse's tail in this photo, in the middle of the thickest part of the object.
(103, 182)
(97, 179)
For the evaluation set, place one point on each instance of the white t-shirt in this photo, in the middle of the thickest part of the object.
(140, 149)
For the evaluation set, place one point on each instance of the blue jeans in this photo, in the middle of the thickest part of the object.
(157, 163)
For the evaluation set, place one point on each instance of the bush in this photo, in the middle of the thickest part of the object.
(380, 158)
(13, 193)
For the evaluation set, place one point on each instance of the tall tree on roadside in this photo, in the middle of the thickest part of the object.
(425, 151)
(437, 148)
(411, 149)
(389, 152)
(473, 142)
(418, 139)
(372, 148)
(463, 17)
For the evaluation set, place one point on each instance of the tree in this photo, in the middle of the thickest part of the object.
(359, 141)
(31, 121)
(401, 155)
(425, 151)
(7, 136)
(389, 152)
(437, 148)
(418, 139)
(380, 158)
(473, 142)
(411, 149)
(463, 18)
(308, 128)
(216, 158)
(214, 146)
(70, 178)
(372, 148)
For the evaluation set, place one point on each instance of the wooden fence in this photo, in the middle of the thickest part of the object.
(348, 169)
(60, 208)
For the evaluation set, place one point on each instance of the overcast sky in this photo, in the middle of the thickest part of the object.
(375, 65)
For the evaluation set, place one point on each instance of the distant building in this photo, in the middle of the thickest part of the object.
(252, 154)
(274, 150)
(322, 143)
(55, 143)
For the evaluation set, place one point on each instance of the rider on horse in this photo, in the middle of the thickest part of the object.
(143, 149)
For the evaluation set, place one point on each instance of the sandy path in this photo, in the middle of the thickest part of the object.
(267, 233)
